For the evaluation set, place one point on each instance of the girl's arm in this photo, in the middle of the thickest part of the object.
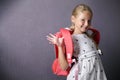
(61, 57)
(61, 50)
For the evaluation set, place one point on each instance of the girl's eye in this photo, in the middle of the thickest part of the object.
(89, 21)
(82, 19)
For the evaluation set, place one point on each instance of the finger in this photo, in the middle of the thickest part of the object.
(52, 35)
(50, 39)
(50, 43)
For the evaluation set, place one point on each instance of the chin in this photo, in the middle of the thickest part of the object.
(84, 30)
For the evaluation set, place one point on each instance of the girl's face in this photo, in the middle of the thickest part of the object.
(82, 21)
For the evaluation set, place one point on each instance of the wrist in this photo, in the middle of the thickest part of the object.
(60, 46)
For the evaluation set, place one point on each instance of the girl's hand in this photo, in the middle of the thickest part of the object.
(55, 40)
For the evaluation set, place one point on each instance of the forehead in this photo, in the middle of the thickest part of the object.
(84, 14)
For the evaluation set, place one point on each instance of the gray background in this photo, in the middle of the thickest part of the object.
(24, 51)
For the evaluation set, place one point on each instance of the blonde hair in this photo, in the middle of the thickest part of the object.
(77, 10)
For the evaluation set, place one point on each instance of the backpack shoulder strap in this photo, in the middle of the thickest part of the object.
(68, 43)
(95, 35)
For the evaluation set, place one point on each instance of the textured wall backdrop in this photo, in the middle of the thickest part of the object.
(24, 51)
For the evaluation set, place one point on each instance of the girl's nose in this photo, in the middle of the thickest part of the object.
(86, 23)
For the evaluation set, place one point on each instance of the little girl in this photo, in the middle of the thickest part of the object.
(88, 65)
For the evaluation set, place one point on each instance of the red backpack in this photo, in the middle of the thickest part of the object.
(66, 33)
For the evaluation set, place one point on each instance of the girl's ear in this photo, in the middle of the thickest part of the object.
(73, 19)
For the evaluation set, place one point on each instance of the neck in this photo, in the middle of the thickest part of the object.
(77, 31)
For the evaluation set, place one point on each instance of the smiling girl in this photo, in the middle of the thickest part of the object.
(88, 65)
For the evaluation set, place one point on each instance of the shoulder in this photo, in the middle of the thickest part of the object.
(67, 29)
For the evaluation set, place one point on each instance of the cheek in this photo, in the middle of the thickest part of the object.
(80, 23)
